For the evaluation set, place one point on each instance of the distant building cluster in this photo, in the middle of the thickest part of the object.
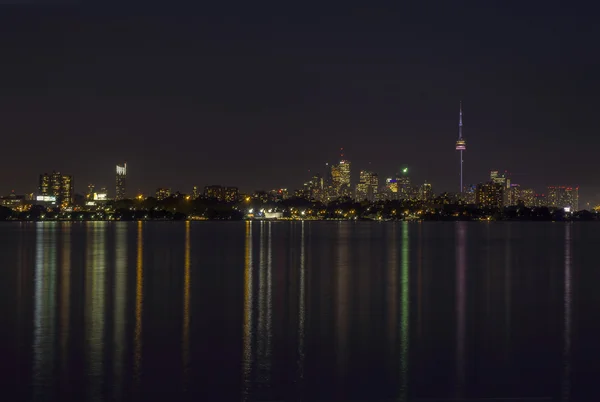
(56, 190)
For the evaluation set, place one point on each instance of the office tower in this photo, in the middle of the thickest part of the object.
(514, 194)
(490, 195)
(470, 194)
(195, 193)
(340, 177)
(121, 187)
(44, 185)
(66, 190)
(163, 193)
(405, 190)
(316, 188)
(368, 186)
(425, 192)
(90, 193)
(527, 195)
(461, 145)
(502, 179)
(56, 187)
(231, 194)
(563, 197)
(391, 189)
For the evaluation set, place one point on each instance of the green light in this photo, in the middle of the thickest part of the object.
(404, 170)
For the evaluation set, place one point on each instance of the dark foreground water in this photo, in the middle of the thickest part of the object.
(299, 311)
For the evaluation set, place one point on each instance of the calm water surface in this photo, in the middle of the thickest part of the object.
(299, 311)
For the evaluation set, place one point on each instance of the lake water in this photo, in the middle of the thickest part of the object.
(299, 311)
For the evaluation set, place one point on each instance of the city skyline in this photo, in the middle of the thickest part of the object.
(267, 102)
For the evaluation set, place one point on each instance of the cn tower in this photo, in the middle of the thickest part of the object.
(461, 145)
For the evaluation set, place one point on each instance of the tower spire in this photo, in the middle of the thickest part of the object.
(461, 144)
(460, 122)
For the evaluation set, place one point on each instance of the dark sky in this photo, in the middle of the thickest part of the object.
(253, 95)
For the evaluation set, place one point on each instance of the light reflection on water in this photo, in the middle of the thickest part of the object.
(299, 309)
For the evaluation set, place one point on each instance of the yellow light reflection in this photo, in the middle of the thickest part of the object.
(186, 306)
(248, 316)
(264, 331)
(44, 323)
(65, 292)
(120, 302)
(139, 299)
(404, 313)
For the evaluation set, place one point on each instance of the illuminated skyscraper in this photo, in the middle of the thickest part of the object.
(405, 190)
(340, 177)
(563, 197)
(59, 187)
(367, 186)
(461, 145)
(490, 195)
(66, 191)
(527, 195)
(44, 186)
(195, 193)
(425, 192)
(121, 188)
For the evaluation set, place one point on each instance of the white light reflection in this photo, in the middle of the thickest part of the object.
(568, 301)
(44, 322)
(95, 312)
(264, 331)
(65, 294)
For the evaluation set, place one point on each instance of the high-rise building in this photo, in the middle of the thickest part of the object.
(367, 187)
(90, 194)
(340, 178)
(425, 192)
(514, 194)
(163, 193)
(405, 190)
(527, 195)
(44, 186)
(56, 187)
(121, 182)
(316, 188)
(461, 145)
(563, 197)
(390, 191)
(470, 194)
(502, 179)
(215, 192)
(66, 190)
(195, 193)
(490, 195)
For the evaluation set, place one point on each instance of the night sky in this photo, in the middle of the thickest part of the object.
(252, 95)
